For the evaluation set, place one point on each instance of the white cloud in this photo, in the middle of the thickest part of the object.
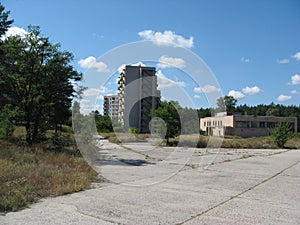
(91, 92)
(295, 92)
(197, 96)
(296, 56)
(100, 97)
(138, 64)
(245, 60)
(91, 62)
(206, 89)
(86, 106)
(164, 82)
(295, 79)
(165, 61)
(283, 98)
(167, 38)
(95, 91)
(87, 62)
(283, 61)
(251, 90)
(236, 94)
(103, 89)
(13, 31)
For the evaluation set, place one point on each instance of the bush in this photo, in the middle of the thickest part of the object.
(132, 130)
(14, 195)
(281, 133)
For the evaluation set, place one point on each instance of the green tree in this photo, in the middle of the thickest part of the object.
(281, 133)
(6, 125)
(103, 123)
(168, 112)
(204, 112)
(273, 112)
(37, 78)
(226, 104)
(4, 21)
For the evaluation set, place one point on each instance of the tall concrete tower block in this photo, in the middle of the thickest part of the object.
(111, 106)
(137, 94)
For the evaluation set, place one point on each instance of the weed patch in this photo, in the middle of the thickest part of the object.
(30, 173)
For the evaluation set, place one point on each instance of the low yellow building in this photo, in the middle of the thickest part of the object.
(243, 126)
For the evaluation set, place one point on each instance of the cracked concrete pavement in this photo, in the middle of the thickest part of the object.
(240, 187)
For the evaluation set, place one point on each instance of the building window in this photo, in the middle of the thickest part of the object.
(271, 124)
(262, 124)
(242, 124)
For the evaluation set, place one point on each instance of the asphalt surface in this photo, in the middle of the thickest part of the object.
(156, 187)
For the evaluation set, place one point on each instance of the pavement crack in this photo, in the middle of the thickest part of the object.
(239, 194)
(140, 153)
(91, 216)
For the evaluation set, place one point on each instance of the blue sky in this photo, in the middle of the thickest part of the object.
(252, 47)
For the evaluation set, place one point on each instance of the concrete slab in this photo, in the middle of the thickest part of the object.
(261, 189)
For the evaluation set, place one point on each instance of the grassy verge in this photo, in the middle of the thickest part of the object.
(30, 173)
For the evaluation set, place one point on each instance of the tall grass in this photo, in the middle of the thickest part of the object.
(30, 173)
(125, 137)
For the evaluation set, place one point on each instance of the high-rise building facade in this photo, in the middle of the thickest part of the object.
(111, 106)
(137, 95)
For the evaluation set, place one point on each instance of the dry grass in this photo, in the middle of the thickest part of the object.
(249, 143)
(124, 137)
(200, 141)
(29, 173)
(294, 142)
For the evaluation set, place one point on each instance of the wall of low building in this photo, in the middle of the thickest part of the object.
(218, 131)
(216, 124)
(250, 132)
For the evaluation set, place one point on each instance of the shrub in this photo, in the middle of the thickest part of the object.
(281, 133)
(132, 130)
(14, 195)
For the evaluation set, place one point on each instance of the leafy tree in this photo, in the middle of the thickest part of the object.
(168, 112)
(4, 21)
(281, 133)
(6, 124)
(202, 112)
(226, 103)
(36, 77)
(273, 112)
(103, 123)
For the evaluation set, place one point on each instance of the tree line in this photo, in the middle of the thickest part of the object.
(37, 90)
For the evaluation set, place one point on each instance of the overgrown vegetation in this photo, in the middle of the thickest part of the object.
(6, 124)
(118, 138)
(281, 133)
(28, 173)
(36, 81)
(38, 155)
(200, 141)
